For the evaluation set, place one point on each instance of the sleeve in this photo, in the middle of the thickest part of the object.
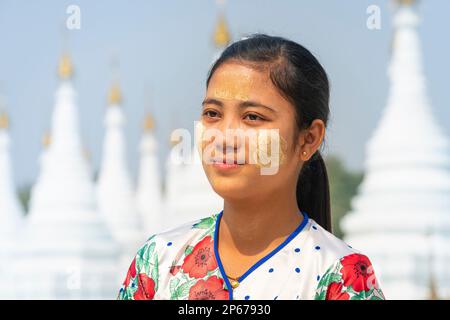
(350, 278)
(141, 281)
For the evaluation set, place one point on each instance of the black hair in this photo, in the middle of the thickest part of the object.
(300, 79)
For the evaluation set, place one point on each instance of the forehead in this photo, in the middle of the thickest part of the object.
(237, 76)
(235, 81)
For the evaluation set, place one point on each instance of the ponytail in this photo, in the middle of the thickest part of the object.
(313, 191)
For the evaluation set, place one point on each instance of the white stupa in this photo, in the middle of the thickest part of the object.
(11, 212)
(149, 193)
(401, 214)
(115, 191)
(67, 250)
(175, 177)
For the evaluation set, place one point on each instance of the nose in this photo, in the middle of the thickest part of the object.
(231, 139)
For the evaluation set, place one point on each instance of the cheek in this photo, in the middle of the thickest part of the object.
(268, 149)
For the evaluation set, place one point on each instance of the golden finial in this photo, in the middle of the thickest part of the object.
(221, 34)
(65, 67)
(149, 123)
(115, 95)
(46, 139)
(4, 121)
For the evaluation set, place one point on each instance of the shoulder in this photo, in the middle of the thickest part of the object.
(327, 246)
(143, 276)
(347, 273)
(179, 236)
(185, 231)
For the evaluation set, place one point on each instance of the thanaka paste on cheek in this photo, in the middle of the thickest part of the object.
(261, 152)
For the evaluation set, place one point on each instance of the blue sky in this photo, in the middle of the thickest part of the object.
(164, 50)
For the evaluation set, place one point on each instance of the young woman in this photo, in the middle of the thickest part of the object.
(273, 239)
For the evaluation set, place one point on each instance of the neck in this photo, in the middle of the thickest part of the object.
(251, 225)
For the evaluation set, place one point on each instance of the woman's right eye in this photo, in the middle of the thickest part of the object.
(210, 113)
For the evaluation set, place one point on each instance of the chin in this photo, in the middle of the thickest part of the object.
(231, 187)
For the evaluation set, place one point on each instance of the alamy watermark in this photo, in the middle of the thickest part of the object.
(73, 21)
(264, 148)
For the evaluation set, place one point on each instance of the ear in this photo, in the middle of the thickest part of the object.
(310, 139)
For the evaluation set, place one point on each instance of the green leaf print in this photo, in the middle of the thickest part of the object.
(147, 254)
(182, 290)
(359, 296)
(374, 297)
(173, 284)
(321, 295)
(204, 223)
(143, 257)
(188, 250)
(351, 291)
(155, 271)
(329, 278)
(127, 293)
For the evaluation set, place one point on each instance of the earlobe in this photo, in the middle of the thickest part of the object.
(304, 153)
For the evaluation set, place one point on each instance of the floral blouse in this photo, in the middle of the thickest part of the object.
(183, 264)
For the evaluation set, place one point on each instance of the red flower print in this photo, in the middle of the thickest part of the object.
(174, 269)
(131, 273)
(334, 292)
(211, 289)
(357, 271)
(146, 288)
(201, 259)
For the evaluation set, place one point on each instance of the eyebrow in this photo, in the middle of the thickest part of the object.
(243, 104)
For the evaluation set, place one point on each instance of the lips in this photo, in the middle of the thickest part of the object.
(224, 161)
(226, 166)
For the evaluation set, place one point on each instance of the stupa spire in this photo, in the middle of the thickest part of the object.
(149, 193)
(115, 190)
(64, 234)
(11, 212)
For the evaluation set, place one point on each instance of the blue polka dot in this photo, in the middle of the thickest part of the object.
(318, 278)
(317, 247)
(297, 249)
(297, 270)
(247, 297)
(271, 270)
(169, 243)
(314, 227)
(275, 298)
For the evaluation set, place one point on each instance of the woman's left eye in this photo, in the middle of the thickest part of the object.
(254, 117)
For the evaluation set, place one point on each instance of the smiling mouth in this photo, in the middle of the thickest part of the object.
(226, 166)
(221, 164)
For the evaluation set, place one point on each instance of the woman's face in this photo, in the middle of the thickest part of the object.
(240, 97)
